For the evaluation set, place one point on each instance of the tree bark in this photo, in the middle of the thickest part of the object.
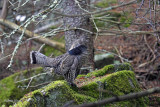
(4, 9)
(71, 8)
(4, 12)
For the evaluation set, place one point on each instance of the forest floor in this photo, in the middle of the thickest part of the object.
(142, 51)
(134, 48)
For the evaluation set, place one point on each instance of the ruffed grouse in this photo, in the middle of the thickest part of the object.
(68, 64)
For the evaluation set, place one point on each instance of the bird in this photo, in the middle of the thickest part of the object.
(68, 64)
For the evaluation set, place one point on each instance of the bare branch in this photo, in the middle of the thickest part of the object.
(29, 34)
(121, 32)
(31, 77)
(68, 104)
(122, 98)
(97, 12)
(47, 27)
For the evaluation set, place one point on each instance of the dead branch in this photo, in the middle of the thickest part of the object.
(97, 12)
(47, 27)
(38, 85)
(122, 98)
(32, 77)
(120, 56)
(29, 34)
(120, 32)
(69, 103)
(154, 56)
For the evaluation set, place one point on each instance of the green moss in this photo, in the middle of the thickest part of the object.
(8, 86)
(53, 27)
(108, 21)
(114, 16)
(80, 76)
(56, 94)
(126, 19)
(90, 90)
(123, 82)
(99, 23)
(48, 50)
(11, 92)
(105, 3)
(80, 98)
(110, 69)
(118, 83)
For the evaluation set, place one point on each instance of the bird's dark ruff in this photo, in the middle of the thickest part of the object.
(78, 50)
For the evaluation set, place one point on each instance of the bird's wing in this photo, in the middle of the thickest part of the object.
(75, 68)
(73, 71)
(66, 63)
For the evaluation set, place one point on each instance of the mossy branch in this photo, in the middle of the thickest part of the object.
(29, 34)
(122, 98)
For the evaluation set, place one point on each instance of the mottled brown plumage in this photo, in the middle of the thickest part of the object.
(68, 64)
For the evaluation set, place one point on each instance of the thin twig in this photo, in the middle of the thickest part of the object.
(102, 50)
(154, 56)
(118, 54)
(31, 77)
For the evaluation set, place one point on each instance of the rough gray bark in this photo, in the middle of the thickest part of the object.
(4, 12)
(4, 9)
(71, 8)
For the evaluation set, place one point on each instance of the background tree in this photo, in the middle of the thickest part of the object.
(81, 25)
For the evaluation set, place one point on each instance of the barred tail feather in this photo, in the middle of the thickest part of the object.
(33, 57)
(38, 58)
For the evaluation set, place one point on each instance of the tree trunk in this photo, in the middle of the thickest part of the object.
(4, 12)
(71, 8)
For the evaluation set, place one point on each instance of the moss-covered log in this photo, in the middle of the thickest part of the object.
(98, 85)
(56, 94)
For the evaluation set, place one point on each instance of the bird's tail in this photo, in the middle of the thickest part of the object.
(38, 58)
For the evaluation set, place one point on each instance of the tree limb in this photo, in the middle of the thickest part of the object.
(122, 98)
(120, 32)
(29, 34)
(96, 12)
(45, 27)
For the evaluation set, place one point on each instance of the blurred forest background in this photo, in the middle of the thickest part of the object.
(126, 29)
